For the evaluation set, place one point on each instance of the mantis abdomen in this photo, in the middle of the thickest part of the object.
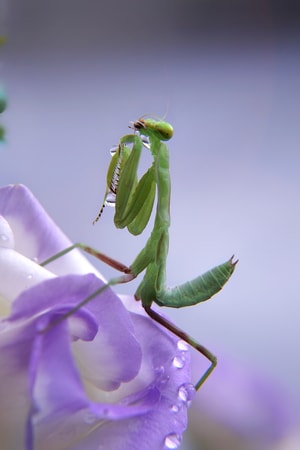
(198, 290)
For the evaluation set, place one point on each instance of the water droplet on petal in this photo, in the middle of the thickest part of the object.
(163, 381)
(182, 346)
(6, 234)
(161, 377)
(172, 441)
(35, 259)
(185, 393)
(179, 362)
(182, 394)
(29, 276)
(174, 408)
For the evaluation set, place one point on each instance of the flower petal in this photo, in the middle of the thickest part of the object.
(16, 403)
(36, 235)
(103, 378)
(141, 421)
(18, 273)
(109, 367)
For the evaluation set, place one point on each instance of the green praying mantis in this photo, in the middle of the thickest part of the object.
(133, 200)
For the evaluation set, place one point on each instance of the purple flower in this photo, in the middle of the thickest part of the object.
(102, 379)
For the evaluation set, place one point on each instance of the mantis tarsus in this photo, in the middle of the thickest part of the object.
(133, 201)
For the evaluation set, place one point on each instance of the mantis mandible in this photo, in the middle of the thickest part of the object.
(133, 202)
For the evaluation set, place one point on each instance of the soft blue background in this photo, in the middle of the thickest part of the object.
(227, 75)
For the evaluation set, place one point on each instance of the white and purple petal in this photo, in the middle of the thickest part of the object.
(36, 235)
(102, 378)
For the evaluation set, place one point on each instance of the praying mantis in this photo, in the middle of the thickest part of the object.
(134, 200)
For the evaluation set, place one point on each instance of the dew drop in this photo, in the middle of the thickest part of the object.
(146, 142)
(174, 409)
(113, 150)
(182, 346)
(29, 276)
(179, 362)
(172, 441)
(110, 199)
(182, 394)
(35, 259)
(6, 234)
(5, 241)
(185, 393)
(3, 237)
(161, 377)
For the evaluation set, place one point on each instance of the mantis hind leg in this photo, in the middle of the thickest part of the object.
(185, 337)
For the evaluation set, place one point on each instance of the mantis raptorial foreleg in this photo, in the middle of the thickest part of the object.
(134, 203)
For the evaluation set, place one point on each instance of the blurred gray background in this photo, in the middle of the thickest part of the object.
(227, 76)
